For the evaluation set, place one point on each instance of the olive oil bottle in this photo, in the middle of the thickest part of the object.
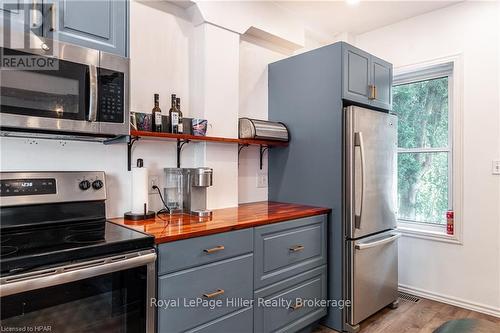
(156, 123)
(180, 126)
(174, 116)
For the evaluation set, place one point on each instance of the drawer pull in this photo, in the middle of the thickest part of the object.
(214, 249)
(296, 306)
(296, 248)
(214, 294)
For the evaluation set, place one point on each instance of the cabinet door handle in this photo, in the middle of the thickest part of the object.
(34, 14)
(296, 248)
(214, 249)
(296, 306)
(214, 294)
(373, 91)
(52, 17)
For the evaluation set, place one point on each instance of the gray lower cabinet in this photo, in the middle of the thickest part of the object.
(285, 249)
(295, 303)
(193, 252)
(221, 281)
(366, 79)
(100, 25)
(240, 321)
(238, 279)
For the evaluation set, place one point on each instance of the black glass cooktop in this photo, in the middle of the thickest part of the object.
(31, 248)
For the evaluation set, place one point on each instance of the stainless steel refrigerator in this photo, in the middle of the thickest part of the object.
(371, 250)
(343, 157)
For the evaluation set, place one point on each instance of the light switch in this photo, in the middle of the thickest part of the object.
(496, 167)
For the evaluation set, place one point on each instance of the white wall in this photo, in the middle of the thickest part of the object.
(468, 273)
(160, 36)
(254, 58)
(200, 63)
(215, 94)
(159, 63)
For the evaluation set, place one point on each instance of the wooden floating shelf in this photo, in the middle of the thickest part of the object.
(182, 139)
(187, 137)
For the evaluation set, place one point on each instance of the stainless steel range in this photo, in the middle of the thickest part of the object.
(63, 266)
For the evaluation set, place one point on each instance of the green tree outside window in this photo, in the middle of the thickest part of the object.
(424, 154)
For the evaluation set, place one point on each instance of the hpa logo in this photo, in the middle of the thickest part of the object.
(26, 38)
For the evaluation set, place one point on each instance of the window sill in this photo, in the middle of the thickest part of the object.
(414, 231)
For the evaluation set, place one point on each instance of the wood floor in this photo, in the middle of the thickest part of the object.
(424, 316)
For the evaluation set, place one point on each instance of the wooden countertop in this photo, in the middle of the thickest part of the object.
(168, 228)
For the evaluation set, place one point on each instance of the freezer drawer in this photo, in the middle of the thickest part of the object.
(373, 275)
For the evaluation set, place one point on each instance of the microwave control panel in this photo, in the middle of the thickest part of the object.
(111, 106)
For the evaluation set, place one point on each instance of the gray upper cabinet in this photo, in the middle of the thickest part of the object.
(97, 24)
(19, 15)
(12, 11)
(366, 79)
(381, 72)
(356, 78)
(100, 25)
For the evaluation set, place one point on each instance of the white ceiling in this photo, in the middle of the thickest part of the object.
(333, 17)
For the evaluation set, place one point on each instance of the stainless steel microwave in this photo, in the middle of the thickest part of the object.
(83, 94)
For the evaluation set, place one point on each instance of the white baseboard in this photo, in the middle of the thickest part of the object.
(486, 309)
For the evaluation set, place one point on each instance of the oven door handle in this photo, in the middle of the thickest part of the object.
(93, 96)
(55, 276)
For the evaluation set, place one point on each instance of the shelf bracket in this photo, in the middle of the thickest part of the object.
(262, 150)
(180, 144)
(240, 148)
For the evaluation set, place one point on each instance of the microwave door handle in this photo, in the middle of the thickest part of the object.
(92, 116)
(358, 142)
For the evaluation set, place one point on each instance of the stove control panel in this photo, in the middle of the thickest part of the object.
(17, 187)
(25, 188)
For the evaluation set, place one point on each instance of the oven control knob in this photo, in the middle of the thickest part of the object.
(97, 184)
(84, 185)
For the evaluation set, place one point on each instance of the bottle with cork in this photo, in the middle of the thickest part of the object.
(180, 126)
(156, 121)
(173, 115)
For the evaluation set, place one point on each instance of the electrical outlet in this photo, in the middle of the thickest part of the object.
(153, 181)
(496, 167)
(261, 179)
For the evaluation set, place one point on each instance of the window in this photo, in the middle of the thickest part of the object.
(423, 99)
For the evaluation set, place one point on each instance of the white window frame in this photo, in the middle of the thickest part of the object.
(452, 67)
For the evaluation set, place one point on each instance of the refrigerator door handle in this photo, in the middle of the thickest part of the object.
(362, 246)
(358, 142)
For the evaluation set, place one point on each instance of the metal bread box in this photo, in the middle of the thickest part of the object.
(262, 129)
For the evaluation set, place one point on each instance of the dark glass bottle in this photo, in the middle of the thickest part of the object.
(180, 127)
(174, 116)
(156, 121)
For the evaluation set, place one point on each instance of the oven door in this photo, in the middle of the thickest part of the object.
(61, 98)
(102, 295)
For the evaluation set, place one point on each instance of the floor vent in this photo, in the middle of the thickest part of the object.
(408, 297)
